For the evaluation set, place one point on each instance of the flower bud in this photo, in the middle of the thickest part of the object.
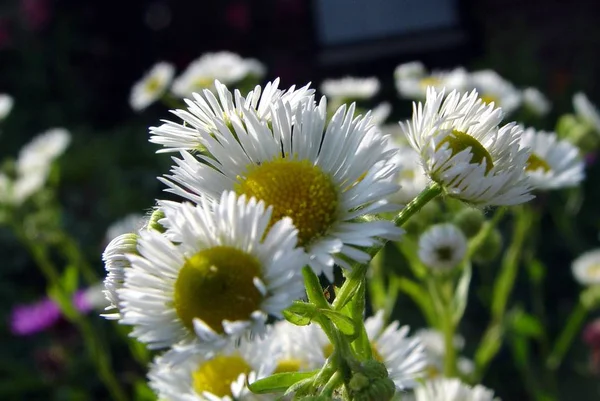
(469, 220)
(490, 248)
(153, 223)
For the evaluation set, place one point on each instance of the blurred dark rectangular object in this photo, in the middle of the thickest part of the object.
(356, 31)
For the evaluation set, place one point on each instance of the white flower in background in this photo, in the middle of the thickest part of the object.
(411, 177)
(586, 268)
(323, 176)
(6, 105)
(42, 150)
(294, 348)
(232, 267)
(452, 390)
(536, 102)
(189, 375)
(209, 113)
(586, 111)
(435, 349)
(553, 163)
(226, 67)
(115, 263)
(132, 223)
(380, 113)
(492, 88)
(152, 86)
(412, 80)
(442, 246)
(403, 356)
(464, 149)
(350, 88)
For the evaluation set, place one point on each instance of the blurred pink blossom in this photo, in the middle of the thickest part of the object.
(36, 13)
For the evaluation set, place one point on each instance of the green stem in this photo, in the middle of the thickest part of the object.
(357, 274)
(565, 339)
(478, 240)
(94, 345)
(72, 251)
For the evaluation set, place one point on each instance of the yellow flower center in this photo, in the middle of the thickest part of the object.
(217, 284)
(153, 85)
(594, 271)
(535, 163)
(459, 141)
(430, 81)
(215, 376)
(488, 99)
(297, 189)
(202, 82)
(289, 365)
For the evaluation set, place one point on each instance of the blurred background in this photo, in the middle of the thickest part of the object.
(72, 63)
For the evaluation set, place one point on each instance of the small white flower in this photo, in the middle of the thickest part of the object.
(535, 101)
(464, 149)
(229, 68)
(411, 177)
(228, 268)
(323, 176)
(553, 163)
(452, 390)
(493, 88)
(586, 268)
(115, 264)
(191, 375)
(435, 349)
(586, 111)
(152, 86)
(6, 105)
(380, 113)
(412, 80)
(16, 191)
(42, 150)
(209, 112)
(403, 356)
(442, 246)
(350, 88)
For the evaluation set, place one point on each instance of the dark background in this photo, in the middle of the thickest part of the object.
(72, 63)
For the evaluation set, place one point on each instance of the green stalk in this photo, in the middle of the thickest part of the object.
(565, 339)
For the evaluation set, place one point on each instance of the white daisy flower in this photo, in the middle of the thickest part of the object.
(535, 101)
(294, 348)
(232, 267)
(435, 349)
(15, 191)
(452, 390)
(442, 246)
(227, 67)
(380, 113)
(411, 177)
(586, 268)
(494, 89)
(350, 88)
(324, 177)
(403, 356)
(463, 149)
(194, 376)
(42, 150)
(152, 86)
(553, 163)
(586, 110)
(412, 80)
(132, 223)
(6, 105)
(209, 112)
(115, 264)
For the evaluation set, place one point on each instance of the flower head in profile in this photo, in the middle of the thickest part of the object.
(553, 163)
(190, 375)
(324, 175)
(452, 390)
(442, 246)
(211, 112)
(586, 268)
(492, 88)
(6, 105)
(42, 150)
(536, 102)
(152, 86)
(350, 88)
(412, 80)
(218, 272)
(586, 111)
(226, 67)
(463, 148)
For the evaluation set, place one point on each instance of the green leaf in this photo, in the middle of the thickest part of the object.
(342, 322)
(461, 294)
(143, 392)
(300, 313)
(70, 279)
(536, 271)
(356, 309)
(525, 324)
(279, 382)
(313, 288)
